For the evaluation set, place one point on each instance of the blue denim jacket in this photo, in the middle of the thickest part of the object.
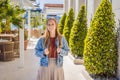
(39, 51)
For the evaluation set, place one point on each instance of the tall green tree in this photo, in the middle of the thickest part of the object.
(68, 24)
(36, 21)
(78, 33)
(11, 13)
(62, 23)
(17, 17)
(100, 54)
(2, 12)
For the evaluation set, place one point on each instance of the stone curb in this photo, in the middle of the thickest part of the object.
(84, 74)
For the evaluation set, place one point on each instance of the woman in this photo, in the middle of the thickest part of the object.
(51, 48)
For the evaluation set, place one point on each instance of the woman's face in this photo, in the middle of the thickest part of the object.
(51, 26)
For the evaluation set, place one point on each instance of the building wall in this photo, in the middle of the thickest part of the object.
(78, 4)
(53, 12)
(75, 4)
(71, 4)
(116, 10)
(66, 3)
(96, 4)
(90, 11)
(92, 6)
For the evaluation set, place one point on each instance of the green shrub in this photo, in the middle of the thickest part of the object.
(100, 53)
(68, 24)
(62, 23)
(25, 34)
(78, 33)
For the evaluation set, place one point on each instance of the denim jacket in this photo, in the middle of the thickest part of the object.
(44, 61)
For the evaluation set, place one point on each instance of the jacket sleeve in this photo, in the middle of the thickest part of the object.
(65, 49)
(39, 51)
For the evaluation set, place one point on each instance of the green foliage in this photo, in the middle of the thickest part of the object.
(68, 24)
(3, 27)
(62, 23)
(35, 21)
(0, 26)
(25, 34)
(18, 22)
(78, 33)
(100, 53)
(44, 23)
(11, 13)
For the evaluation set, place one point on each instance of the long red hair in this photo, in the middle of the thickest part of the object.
(47, 34)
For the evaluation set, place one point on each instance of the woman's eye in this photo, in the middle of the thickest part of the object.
(50, 24)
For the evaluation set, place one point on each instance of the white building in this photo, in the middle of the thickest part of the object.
(75, 4)
(92, 5)
(53, 10)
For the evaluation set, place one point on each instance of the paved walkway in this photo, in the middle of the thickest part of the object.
(11, 70)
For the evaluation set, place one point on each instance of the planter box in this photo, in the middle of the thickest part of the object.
(78, 61)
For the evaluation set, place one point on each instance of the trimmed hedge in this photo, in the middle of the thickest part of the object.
(62, 23)
(78, 33)
(68, 24)
(100, 53)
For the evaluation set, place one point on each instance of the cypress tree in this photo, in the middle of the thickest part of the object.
(68, 24)
(78, 33)
(100, 54)
(62, 23)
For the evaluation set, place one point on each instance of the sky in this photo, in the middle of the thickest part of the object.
(42, 2)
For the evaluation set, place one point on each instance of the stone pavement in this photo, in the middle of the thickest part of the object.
(11, 70)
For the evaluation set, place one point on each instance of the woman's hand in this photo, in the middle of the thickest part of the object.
(58, 50)
(46, 51)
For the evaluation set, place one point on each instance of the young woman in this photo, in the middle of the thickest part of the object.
(51, 48)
